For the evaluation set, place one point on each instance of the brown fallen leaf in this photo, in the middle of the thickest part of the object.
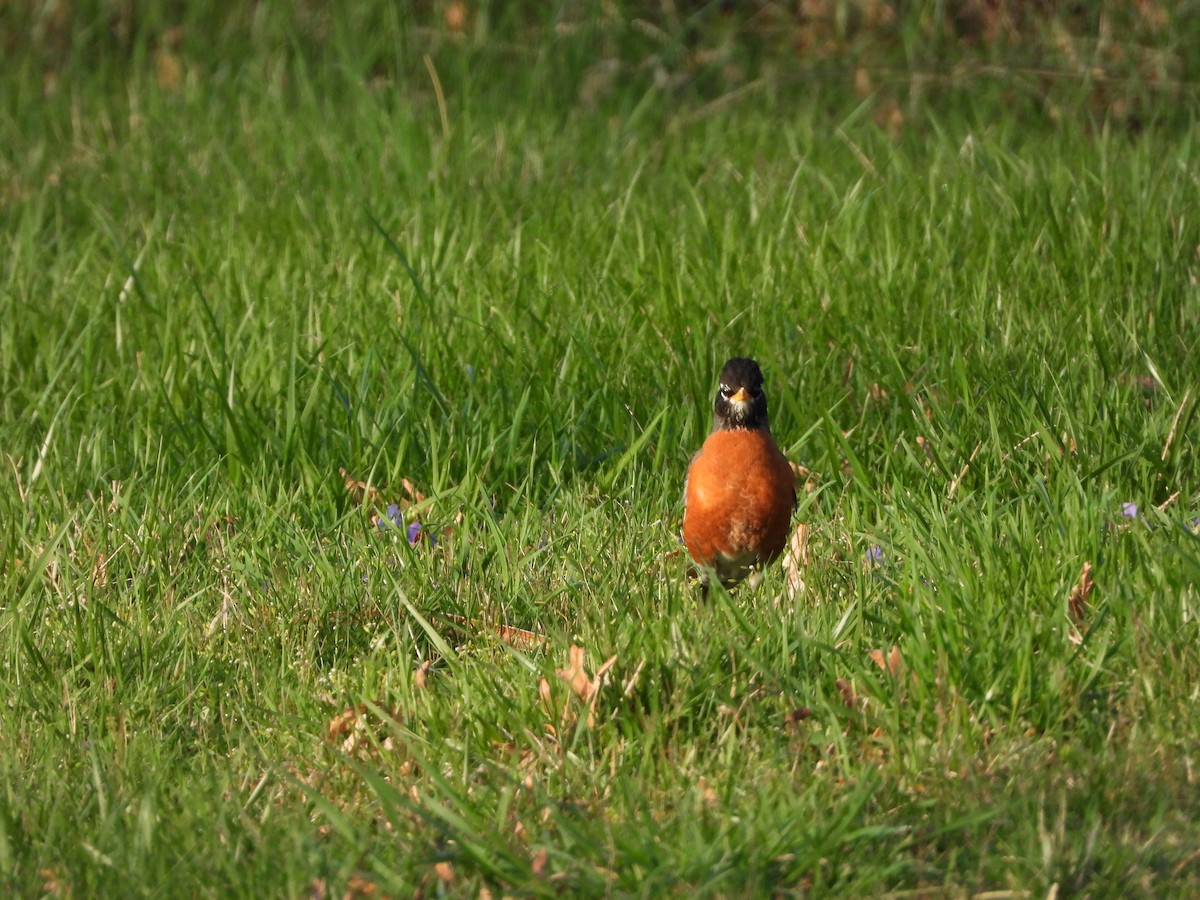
(926, 447)
(805, 478)
(575, 674)
(586, 688)
(51, 884)
(355, 726)
(521, 638)
(444, 871)
(795, 560)
(890, 118)
(1077, 603)
(414, 496)
(849, 698)
(538, 864)
(420, 674)
(456, 15)
(168, 71)
(799, 714)
(893, 663)
(862, 81)
(360, 492)
(357, 886)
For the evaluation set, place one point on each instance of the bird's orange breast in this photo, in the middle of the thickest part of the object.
(738, 501)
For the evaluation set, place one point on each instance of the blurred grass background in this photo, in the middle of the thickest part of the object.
(499, 250)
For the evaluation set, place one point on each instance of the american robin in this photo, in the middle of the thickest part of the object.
(740, 491)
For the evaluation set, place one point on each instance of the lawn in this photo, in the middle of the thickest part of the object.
(270, 302)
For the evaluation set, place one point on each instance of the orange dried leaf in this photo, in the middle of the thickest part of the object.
(575, 675)
(420, 674)
(586, 688)
(1078, 601)
(414, 496)
(893, 663)
(538, 864)
(444, 871)
(360, 492)
(521, 638)
(456, 15)
(343, 723)
(357, 886)
(848, 696)
(351, 728)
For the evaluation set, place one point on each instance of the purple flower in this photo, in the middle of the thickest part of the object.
(414, 531)
(416, 534)
(394, 516)
(875, 555)
(1129, 510)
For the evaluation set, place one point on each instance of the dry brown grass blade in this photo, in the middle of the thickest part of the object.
(520, 638)
(796, 559)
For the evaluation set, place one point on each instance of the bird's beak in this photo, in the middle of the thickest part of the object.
(742, 396)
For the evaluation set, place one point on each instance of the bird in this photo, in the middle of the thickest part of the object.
(740, 490)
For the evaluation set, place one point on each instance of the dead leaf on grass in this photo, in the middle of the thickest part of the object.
(797, 715)
(805, 478)
(168, 71)
(1077, 603)
(420, 674)
(849, 698)
(521, 638)
(795, 560)
(456, 15)
(893, 663)
(357, 886)
(576, 674)
(926, 447)
(361, 493)
(52, 886)
(540, 861)
(585, 687)
(413, 495)
(359, 729)
(100, 571)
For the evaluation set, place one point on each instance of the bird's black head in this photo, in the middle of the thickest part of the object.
(741, 401)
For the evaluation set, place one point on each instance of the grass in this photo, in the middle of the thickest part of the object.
(979, 333)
